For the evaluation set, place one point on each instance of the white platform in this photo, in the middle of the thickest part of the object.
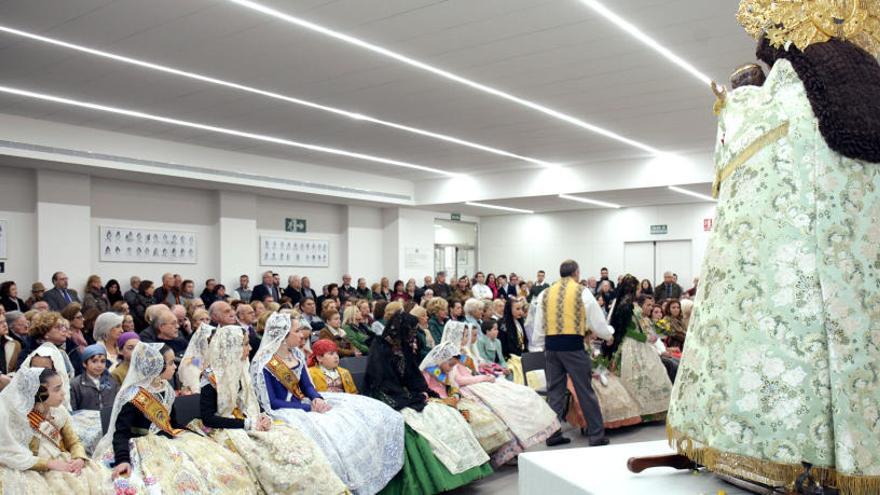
(602, 471)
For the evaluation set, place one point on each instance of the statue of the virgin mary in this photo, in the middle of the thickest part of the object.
(782, 364)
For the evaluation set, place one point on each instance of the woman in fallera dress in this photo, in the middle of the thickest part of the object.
(635, 357)
(86, 424)
(361, 437)
(193, 362)
(283, 460)
(522, 410)
(491, 432)
(149, 453)
(39, 451)
(441, 451)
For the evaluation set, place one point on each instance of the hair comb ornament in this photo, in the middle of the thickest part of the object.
(806, 22)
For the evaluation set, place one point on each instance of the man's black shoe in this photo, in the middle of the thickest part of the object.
(599, 442)
(557, 439)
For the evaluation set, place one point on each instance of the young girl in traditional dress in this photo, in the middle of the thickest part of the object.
(353, 431)
(282, 459)
(39, 451)
(491, 432)
(325, 372)
(148, 452)
(524, 412)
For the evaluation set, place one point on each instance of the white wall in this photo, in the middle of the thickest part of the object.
(72, 207)
(365, 243)
(17, 203)
(594, 238)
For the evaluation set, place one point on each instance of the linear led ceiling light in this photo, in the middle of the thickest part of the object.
(589, 201)
(297, 21)
(270, 94)
(650, 42)
(502, 208)
(220, 130)
(692, 193)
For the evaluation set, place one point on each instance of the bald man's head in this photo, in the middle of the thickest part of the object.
(222, 313)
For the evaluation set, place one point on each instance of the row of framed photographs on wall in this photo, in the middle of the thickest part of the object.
(289, 251)
(133, 245)
(136, 245)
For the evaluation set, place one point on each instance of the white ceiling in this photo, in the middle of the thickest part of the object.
(554, 52)
(626, 198)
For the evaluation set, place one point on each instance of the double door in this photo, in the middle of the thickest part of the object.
(651, 259)
(455, 260)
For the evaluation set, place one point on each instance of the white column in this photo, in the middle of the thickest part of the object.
(364, 243)
(237, 238)
(63, 217)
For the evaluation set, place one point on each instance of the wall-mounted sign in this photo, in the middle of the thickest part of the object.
(456, 217)
(295, 225)
(659, 229)
(415, 258)
(707, 224)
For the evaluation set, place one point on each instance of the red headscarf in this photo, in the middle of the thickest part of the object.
(321, 347)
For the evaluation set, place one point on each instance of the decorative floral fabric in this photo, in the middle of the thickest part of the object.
(450, 436)
(644, 376)
(87, 425)
(361, 437)
(188, 463)
(783, 355)
(283, 460)
(523, 411)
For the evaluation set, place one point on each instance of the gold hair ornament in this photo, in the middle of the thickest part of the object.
(806, 22)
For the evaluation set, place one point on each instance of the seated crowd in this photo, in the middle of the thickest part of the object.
(441, 398)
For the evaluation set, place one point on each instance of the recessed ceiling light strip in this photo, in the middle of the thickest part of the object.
(693, 194)
(220, 130)
(442, 73)
(589, 201)
(496, 207)
(270, 94)
(650, 42)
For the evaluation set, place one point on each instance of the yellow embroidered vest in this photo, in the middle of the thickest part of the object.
(564, 310)
(320, 381)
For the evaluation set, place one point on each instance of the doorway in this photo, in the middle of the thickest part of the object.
(455, 248)
(652, 258)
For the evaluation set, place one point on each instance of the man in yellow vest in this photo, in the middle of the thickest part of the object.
(566, 312)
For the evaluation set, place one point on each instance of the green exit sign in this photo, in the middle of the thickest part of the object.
(456, 217)
(659, 229)
(295, 225)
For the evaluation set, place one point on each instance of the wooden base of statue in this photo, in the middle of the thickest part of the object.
(805, 484)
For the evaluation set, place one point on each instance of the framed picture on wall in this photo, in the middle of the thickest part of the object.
(4, 234)
(131, 245)
(294, 251)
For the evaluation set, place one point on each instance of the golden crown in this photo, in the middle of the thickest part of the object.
(807, 22)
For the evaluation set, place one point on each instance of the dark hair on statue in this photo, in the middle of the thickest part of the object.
(843, 86)
(43, 391)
